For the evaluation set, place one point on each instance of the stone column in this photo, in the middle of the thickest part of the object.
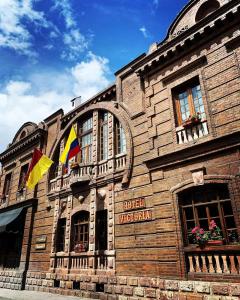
(67, 245)
(95, 149)
(111, 251)
(92, 246)
(54, 233)
(110, 143)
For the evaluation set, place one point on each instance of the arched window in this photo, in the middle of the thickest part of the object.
(86, 128)
(103, 134)
(206, 9)
(23, 134)
(80, 231)
(199, 206)
(120, 138)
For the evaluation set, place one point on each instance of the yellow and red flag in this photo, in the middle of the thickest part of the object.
(38, 167)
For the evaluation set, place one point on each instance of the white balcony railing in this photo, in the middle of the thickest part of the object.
(81, 261)
(85, 172)
(120, 161)
(214, 262)
(190, 134)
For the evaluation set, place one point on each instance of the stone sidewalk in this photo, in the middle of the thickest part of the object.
(6, 294)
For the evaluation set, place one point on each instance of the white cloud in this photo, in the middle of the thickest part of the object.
(90, 76)
(20, 101)
(155, 3)
(144, 32)
(13, 33)
(75, 41)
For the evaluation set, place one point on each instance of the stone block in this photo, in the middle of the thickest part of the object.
(122, 297)
(202, 287)
(235, 290)
(150, 293)
(186, 286)
(128, 291)
(145, 281)
(103, 279)
(112, 280)
(221, 289)
(108, 289)
(172, 285)
(118, 289)
(132, 281)
(139, 291)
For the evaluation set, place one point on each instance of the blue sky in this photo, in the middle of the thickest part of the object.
(54, 50)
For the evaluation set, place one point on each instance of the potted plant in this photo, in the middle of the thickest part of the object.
(199, 236)
(215, 237)
(81, 247)
(192, 120)
(202, 238)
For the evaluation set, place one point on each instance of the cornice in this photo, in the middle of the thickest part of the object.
(25, 142)
(196, 35)
(188, 154)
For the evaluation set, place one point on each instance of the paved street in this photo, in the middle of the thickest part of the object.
(6, 294)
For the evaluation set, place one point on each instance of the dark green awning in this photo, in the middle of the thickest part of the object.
(8, 217)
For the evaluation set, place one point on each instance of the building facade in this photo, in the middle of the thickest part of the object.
(159, 159)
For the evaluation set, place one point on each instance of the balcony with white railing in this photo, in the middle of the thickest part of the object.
(191, 132)
(84, 262)
(215, 260)
(84, 173)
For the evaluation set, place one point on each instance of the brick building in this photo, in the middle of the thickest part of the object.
(160, 155)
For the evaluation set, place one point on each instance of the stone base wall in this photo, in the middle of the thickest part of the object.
(11, 280)
(130, 288)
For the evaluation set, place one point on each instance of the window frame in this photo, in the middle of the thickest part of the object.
(7, 184)
(60, 238)
(103, 144)
(80, 228)
(83, 133)
(101, 225)
(22, 176)
(187, 87)
(221, 216)
(120, 139)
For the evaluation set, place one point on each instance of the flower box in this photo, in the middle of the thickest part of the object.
(191, 122)
(215, 242)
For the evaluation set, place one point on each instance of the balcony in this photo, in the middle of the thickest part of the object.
(215, 260)
(84, 173)
(192, 133)
(84, 262)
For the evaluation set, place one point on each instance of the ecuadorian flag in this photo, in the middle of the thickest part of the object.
(71, 149)
(38, 167)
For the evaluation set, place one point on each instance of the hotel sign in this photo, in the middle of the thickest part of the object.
(131, 215)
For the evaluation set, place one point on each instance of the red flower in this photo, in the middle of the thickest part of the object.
(195, 229)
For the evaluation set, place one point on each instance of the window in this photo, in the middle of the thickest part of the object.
(86, 140)
(22, 178)
(200, 205)
(206, 9)
(101, 230)
(103, 135)
(61, 230)
(120, 138)
(188, 101)
(80, 231)
(7, 184)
